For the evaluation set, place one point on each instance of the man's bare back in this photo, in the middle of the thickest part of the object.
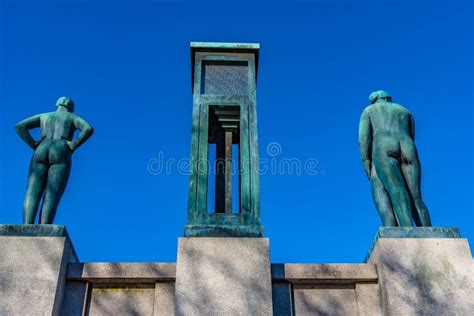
(386, 140)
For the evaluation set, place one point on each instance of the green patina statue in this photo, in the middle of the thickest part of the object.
(389, 155)
(224, 83)
(51, 161)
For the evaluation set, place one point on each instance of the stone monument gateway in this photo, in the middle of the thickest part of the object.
(223, 261)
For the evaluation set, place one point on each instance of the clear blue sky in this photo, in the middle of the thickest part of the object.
(127, 66)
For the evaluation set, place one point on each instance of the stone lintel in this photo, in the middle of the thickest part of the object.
(222, 231)
(122, 272)
(324, 273)
(413, 232)
(166, 272)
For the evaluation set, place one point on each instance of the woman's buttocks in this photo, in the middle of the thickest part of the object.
(53, 151)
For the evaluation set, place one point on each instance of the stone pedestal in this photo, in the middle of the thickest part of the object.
(223, 276)
(427, 272)
(33, 263)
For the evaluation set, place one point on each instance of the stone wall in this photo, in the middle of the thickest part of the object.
(40, 275)
(325, 289)
(120, 289)
(148, 289)
(403, 276)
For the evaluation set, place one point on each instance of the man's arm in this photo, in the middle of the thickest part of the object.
(365, 142)
(22, 129)
(412, 127)
(86, 132)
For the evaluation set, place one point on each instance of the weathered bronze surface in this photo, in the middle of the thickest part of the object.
(390, 159)
(51, 162)
(224, 79)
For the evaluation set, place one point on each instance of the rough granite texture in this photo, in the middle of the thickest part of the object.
(223, 276)
(121, 301)
(325, 299)
(325, 289)
(413, 232)
(425, 276)
(368, 299)
(324, 273)
(164, 299)
(33, 274)
(233, 276)
(121, 272)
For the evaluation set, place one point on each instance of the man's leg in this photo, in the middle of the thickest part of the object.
(58, 176)
(389, 172)
(36, 182)
(412, 174)
(382, 201)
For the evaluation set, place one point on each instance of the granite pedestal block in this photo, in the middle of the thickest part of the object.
(223, 276)
(33, 264)
(425, 275)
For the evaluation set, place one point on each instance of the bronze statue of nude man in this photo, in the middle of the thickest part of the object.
(51, 162)
(390, 159)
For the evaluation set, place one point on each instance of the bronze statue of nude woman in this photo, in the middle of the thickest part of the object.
(51, 162)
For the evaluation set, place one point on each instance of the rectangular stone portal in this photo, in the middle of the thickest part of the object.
(33, 263)
(223, 276)
(424, 276)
